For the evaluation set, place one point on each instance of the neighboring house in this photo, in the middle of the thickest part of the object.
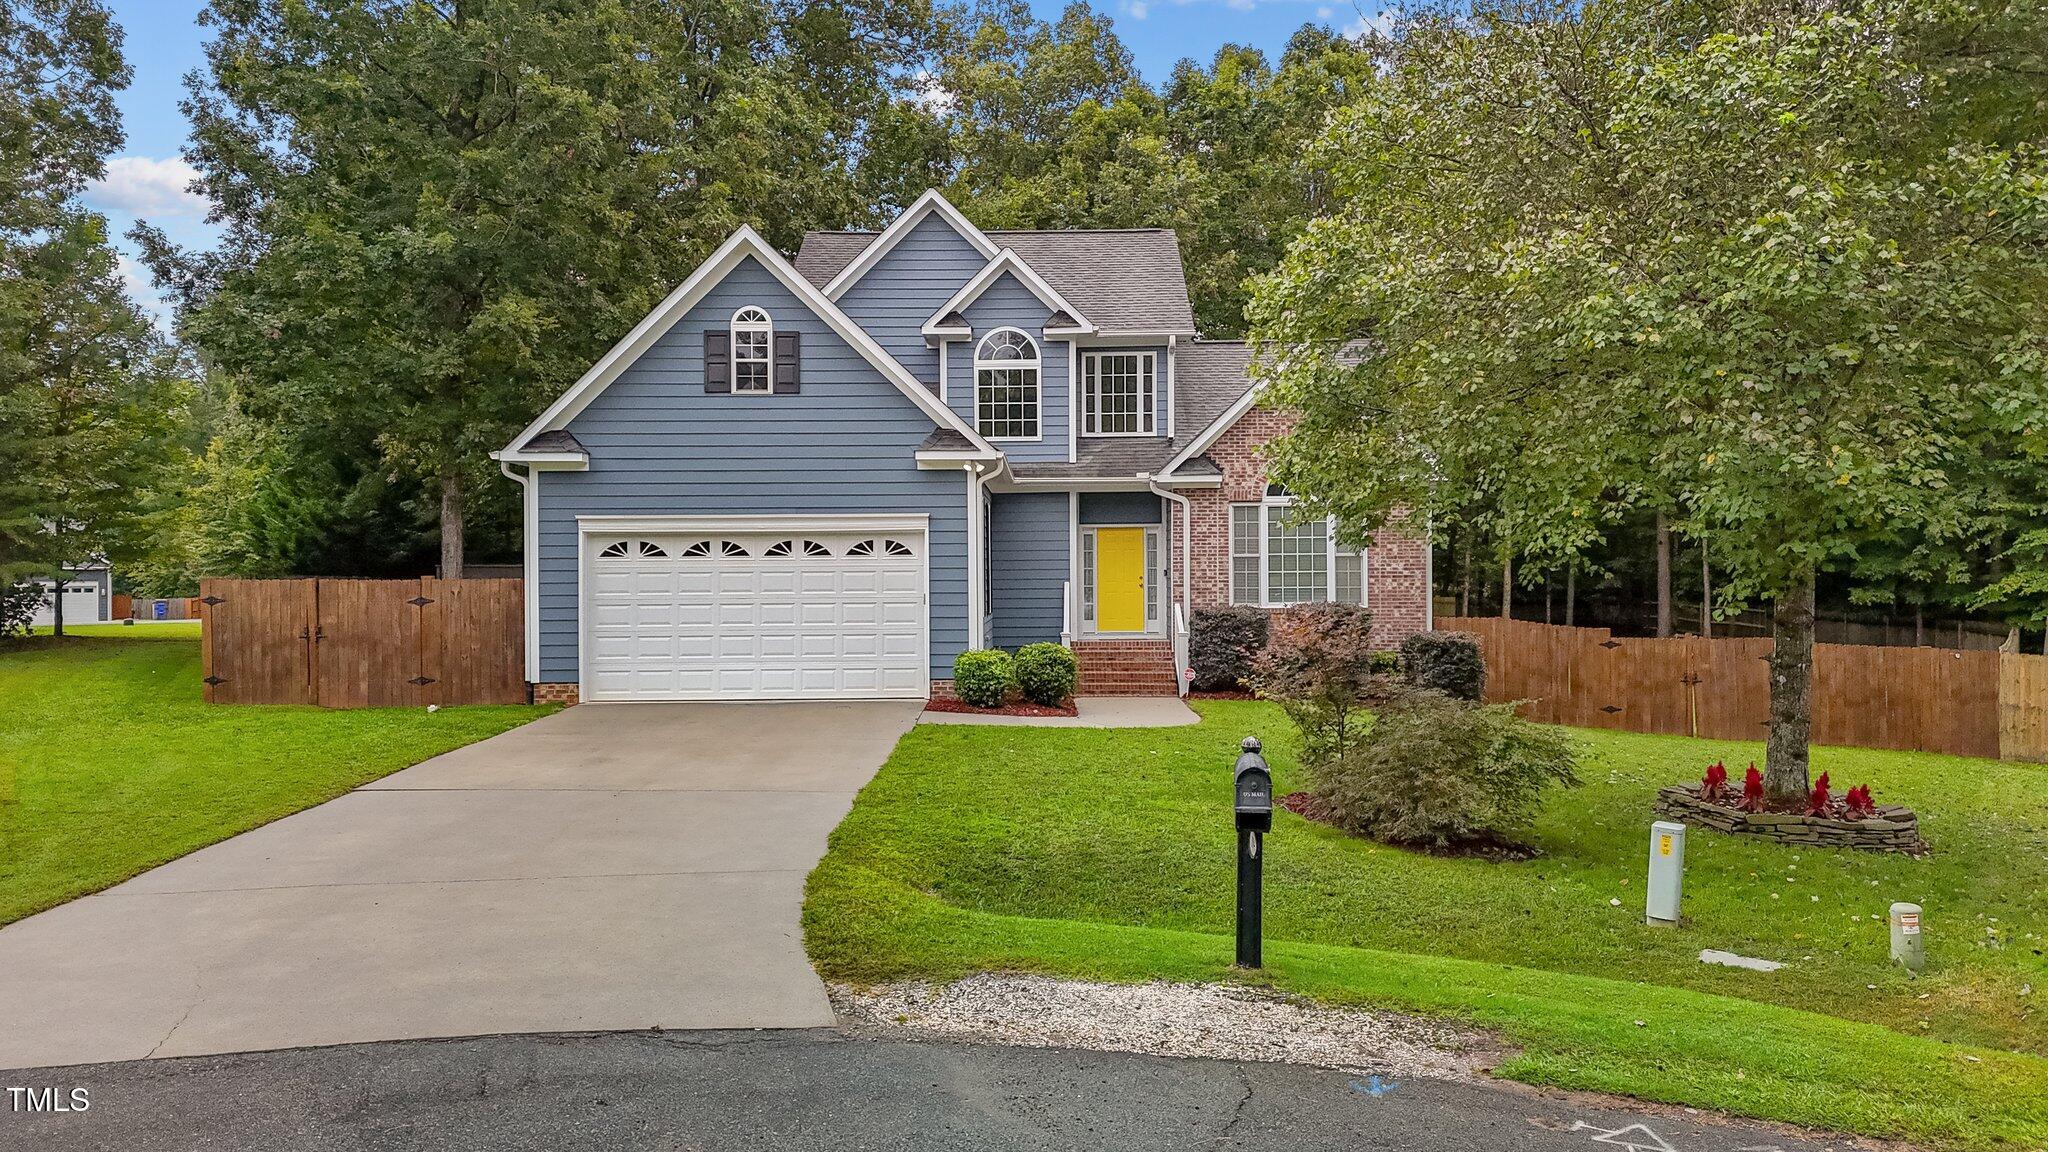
(827, 478)
(88, 597)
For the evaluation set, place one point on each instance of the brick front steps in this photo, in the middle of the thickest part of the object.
(1125, 668)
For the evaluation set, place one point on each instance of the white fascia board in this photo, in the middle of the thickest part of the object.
(742, 244)
(1214, 431)
(1008, 261)
(1132, 483)
(824, 522)
(926, 204)
(546, 461)
(956, 459)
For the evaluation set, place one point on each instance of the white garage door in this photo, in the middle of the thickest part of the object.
(81, 605)
(739, 615)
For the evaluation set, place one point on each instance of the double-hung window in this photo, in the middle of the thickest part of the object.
(1006, 386)
(1117, 390)
(1276, 561)
(752, 336)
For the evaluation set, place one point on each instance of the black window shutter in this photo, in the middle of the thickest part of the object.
(717, 361)
(788, 363)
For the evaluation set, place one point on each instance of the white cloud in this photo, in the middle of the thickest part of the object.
(1325, 12)
(148, 187)
(135, 280)
(1138, 9)
(931, 95)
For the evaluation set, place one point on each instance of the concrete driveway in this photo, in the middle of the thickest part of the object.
(608, 867)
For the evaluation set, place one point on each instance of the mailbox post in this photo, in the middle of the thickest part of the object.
(1254, 805)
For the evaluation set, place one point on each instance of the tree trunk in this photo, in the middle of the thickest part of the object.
(451, 525)
(1791, 672)
(1465, 580)
(1546, 599)
(57, 619)
(1663, 576)
(1706, 594)
(1571, 593)
(1507, 587)
(1919, 626)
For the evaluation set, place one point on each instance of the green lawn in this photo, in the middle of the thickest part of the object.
(111, 764)
(1108, 854)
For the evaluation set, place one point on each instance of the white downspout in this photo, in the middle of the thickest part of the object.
(529, 565)
(1187, 536)
(974, 560)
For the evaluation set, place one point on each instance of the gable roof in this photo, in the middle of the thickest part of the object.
(929, 204)
(1122, 279)
(737, 248)
(1065, 317)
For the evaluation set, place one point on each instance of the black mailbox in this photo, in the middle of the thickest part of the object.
(1254, 789)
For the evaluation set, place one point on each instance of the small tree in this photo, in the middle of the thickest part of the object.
(1782, 280)
(1317, 663)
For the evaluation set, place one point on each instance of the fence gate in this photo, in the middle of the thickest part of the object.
(363, 643)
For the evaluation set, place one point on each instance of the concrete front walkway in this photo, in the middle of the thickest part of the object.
(608, 867)
(1095, 712)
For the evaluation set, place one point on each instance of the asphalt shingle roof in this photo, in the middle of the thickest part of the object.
(1124, 280)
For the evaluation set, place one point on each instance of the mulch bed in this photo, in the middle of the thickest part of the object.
(1304, 805)
(1014, 708)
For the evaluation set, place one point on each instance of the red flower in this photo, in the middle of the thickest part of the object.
(1753, 789)
(1861, 807)
(1715, 785)
(1817, 804)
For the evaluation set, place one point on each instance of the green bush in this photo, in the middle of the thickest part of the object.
(1434, 770)
(1046, 673)
(1447, 662)
(982, 676)
(1317, 664)
(1222, 643)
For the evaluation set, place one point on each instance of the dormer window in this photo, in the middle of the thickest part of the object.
(752, 336)
(1117, 390)
(1006, 386)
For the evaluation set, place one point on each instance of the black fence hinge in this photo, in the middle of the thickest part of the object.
(420, 681)
(1610, 643)
(1611, 709)
(420, 601)
(211, 601)
(213, 680)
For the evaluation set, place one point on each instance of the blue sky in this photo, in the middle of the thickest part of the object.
(164, 42)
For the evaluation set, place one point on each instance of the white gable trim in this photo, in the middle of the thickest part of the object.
(1214, 431)
(742, 244)
(902, 226)
(1008, 261)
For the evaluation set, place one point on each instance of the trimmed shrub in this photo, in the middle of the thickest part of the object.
(1317, 664)
(1222, 642)
(1441, 772)
(982, 676)
(1447, 662)
(1046, 673)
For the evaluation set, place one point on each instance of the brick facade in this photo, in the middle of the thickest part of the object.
(555, 694)
(1396, 566)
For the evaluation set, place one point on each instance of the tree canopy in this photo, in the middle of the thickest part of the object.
(1781, 269)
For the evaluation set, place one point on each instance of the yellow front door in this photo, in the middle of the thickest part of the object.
(1120, 579)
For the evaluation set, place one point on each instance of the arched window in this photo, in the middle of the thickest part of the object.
(753, 334)
(1006, 386)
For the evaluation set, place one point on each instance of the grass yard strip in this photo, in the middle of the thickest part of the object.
(1108, 854)
(110, 762)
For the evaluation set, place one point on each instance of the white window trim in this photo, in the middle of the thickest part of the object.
(765, 326)
(1148, 412)
(1266, 508)
(1036, 364)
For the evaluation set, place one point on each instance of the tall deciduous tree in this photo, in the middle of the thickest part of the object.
(439, 211)
(1784, 266)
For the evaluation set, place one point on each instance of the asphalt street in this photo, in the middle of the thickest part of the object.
(812, 1089)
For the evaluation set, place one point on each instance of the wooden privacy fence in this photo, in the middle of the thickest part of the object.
(363, 643)
(1919, 699)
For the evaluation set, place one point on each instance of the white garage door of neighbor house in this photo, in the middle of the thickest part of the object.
(81, 606)
(755, 616)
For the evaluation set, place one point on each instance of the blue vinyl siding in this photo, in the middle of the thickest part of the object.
(659, 445)
(1007, 303)
(1120, 508)
(894, 299)
(1028, 546)
(1158, 383)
